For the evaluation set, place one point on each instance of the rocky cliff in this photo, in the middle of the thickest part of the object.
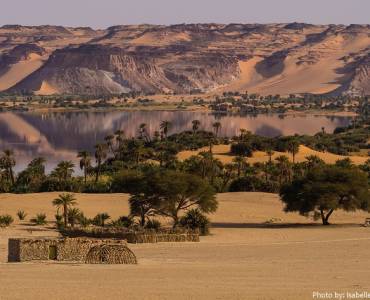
(210, 58)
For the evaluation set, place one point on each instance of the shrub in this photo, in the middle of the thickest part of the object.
(123, 221)
(194, 220)
(153, 224)
(21, 215)
(6, 220)
(40, 219)
(59, 221)
(100, 219)
(241, 149)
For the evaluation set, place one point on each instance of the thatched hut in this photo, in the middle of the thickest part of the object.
(110, 254)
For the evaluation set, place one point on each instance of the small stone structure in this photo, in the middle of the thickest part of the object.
(111, 254)
(135, 237)
(58, 249)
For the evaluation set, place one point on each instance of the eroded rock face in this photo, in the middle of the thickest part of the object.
(267, 59)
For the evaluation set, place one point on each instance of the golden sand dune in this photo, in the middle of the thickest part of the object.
(242, 259)
(222, 152)
(20, 70)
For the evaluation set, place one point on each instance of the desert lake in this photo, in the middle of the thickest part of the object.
(59, 136)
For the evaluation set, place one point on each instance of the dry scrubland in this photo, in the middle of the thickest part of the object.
(222, 152)
(244, 258)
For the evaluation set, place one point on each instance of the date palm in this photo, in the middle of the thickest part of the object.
(195, 126)
(64, 170)
(217, 127)
(293, 148)
(165, 127)
(65, 201)
(85, 162)
(7, 162)
(100, 155)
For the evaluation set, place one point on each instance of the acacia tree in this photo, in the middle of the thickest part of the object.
(180, 191)
(167, 193)
(325, 189)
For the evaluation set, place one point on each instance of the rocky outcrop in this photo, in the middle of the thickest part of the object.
(185, 58)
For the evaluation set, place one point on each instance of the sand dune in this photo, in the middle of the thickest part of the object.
(222, 152)
(20, 70)
(242, 259)
(46, 89)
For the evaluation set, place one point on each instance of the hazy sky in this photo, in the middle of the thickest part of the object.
(104, 13)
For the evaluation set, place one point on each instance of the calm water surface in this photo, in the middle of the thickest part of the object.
(60, 135)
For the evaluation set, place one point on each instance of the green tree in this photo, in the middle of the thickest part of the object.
(325, 189)
(100, 156)
(7, 162)
(165, 127)
(63, 171)
(216, 126)
(65, 201)
(85, 162)
(293, 148)
(195, 126)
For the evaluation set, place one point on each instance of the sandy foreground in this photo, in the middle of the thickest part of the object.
(242, 259)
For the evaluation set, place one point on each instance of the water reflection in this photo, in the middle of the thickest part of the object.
(60, 135)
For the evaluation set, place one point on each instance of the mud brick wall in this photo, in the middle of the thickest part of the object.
(69, 249)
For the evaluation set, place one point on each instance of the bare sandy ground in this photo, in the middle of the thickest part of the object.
(222, 152)
(242, 259)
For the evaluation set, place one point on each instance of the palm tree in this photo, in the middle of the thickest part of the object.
(165, 127)
(216, 126)
(270, 153)
(109, 140)
(100, 155)
(74, 215)
(293, 148)
(120, 137)
(240, 164)
(85, 162)
(100, 219)
(284, 167)
(196, 125)
(64, 170)
(65, 201)
(7, 162)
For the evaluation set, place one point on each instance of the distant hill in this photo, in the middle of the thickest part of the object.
(211, 58)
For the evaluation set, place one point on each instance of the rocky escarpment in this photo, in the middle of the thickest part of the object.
(261, 58)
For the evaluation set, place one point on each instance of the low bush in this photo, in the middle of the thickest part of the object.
(6, 220)
(40, 219)
(21, 215)
(195, 220)
(153, 224)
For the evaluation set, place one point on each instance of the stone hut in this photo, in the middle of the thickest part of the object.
(57, 249)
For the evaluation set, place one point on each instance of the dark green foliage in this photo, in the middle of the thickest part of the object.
(21, 215)
(325, 189)
(6, 220)
(40, 219)
(123, 221)
(241, 149)
(101, 219)
(195, 220)
(168, 192)
(153, 224)
(253, 184)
